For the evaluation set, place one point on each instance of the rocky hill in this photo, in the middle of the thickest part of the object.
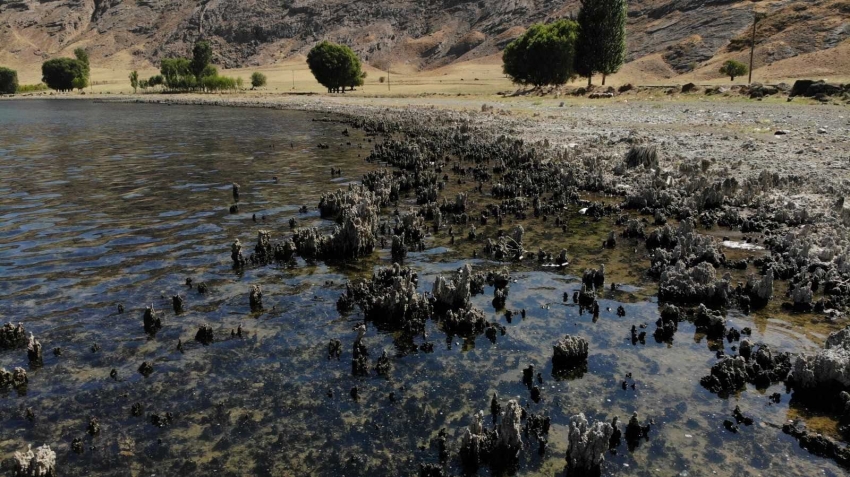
(415, 34)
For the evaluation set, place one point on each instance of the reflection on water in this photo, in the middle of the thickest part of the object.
(102, 205)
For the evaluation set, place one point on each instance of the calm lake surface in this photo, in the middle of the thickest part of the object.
(108, 204)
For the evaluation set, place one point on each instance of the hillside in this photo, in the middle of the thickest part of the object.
(671, 37)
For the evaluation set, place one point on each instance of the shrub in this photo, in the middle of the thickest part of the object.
(32, 88)
(218, 83)
(732, 68)
(258, 80)
(8, 81)
(335, 67)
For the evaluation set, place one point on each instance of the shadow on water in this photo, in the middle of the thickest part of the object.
(102, 205)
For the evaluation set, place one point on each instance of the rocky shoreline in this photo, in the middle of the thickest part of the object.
(799, 219)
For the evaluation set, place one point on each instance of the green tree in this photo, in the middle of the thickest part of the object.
(177, 73)
(601, 45)
(80, 82)
(201, 58)
(157, 80)
(83, 57)
(134, 80)
(8, 81)
(335, 66)
(258, 80)
(60, 73)
(543, 55)
(732, 68)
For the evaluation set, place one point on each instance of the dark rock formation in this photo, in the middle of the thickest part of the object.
(569, 352)
(390, 298)
(360, 355)
(454, 293)
(255, 298)
(145, 369)
(177, 304)
(466, 321)
(151, 320)
(818, 444)
(35, 352)
(12, 336)
(205, 335)
(586, 445)
(41, 463)
(16, 379)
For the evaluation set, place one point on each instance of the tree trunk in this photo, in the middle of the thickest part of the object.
(588, 80)
(603, 79)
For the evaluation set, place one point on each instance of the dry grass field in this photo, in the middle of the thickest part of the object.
(481, 77)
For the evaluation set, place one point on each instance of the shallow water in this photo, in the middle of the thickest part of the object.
(102, 204)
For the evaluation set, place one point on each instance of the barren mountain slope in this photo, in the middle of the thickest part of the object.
(410, 34)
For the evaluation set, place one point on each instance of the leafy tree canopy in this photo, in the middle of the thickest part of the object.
(732, 68)
(335, 66)
(201, 58)
(258, 80)
(8, 81)
(601, 45)
(543, 55)
(60, 73)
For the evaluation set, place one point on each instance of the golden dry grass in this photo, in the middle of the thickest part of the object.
(479, 77)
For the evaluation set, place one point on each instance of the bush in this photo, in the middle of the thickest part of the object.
(8, 81)
(60, 73)
(732, 68)
(335, 66)
(258, 80)
(381, 80)
(32, 88)
(543, 55)
(218, 83)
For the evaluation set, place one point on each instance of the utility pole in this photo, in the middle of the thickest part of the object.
(293, 80)
(756, 17)
(388, 76)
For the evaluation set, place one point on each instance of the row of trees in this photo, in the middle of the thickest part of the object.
(190, 74)
(554, 53)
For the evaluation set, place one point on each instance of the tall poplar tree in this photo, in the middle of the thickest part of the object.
(601, 46)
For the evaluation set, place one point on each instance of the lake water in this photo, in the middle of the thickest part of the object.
(108, 204)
